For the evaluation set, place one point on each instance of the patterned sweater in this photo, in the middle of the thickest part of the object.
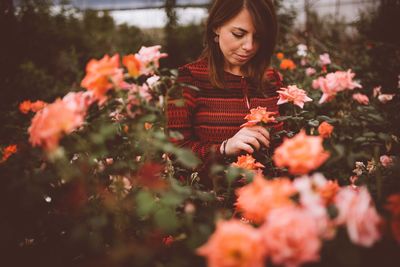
(211, 115)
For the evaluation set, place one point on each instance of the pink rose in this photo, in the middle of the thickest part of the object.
(310, 71)
(310, 190)
(293, 94)
(324, 59)
(361, 99)
(149, 58)
(334, 83)
(384, 98)
(386, 160)
(355, 209)
(290, 236)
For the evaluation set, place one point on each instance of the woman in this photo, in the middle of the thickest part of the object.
(233, 77)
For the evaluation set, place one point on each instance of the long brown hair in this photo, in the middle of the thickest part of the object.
(265, 22)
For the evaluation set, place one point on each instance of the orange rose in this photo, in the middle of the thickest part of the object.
(287, 64)
(8, 151)
(280, 56)
(27, 106)
(301, 154)
(247, 162)
(148, 125)
(102, 75)
(325, 129)
(132, 64)
(328, 191)
(259, 115)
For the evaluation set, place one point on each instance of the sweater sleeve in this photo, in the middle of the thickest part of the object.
(181, 119)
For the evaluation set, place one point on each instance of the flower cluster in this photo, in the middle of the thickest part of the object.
(292, 220)
(65, 115)
(334, 83)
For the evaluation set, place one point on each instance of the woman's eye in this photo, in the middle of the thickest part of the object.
(237, 35)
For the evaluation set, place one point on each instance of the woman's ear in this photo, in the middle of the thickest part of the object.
(217, 30)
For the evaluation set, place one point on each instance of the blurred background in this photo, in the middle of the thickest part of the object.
(46, 44)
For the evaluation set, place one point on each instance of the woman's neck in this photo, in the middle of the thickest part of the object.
(235, 71)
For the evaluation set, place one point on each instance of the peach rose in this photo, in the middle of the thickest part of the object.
(361, 99)
(102, 75)
(61, 117)
(280, 56)
(247, 162)
(325, 129)
(259, 197)
(355, 209)
(301, 154)
(233, 244)
(290, 236)
(293, 94)
(259, 115)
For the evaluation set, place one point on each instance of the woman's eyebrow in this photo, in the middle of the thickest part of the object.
(240, 29)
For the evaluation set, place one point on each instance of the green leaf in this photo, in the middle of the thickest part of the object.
(187, 158)
(171, 199)
(384, 136)
(233, 173)
(369, 134)
(313, 123)
(360, 139)
(145, 203)
(325, 118)
(166, 219)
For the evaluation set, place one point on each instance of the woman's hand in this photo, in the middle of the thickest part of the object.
(247, 139)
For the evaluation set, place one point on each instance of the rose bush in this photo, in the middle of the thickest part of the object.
(97, 181)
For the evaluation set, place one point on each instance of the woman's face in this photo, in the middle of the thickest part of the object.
(238, 41)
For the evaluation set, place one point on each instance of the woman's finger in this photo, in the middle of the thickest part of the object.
(252, 140)
(246, 147)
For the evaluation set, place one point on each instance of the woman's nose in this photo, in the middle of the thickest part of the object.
(248, 44)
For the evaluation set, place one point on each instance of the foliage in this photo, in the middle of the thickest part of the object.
(106, 187)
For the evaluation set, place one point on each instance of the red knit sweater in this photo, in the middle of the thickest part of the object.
(212, 115)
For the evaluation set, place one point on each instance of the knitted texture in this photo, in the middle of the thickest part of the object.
(211, 115)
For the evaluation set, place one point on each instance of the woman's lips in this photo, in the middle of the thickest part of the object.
(243, 58)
